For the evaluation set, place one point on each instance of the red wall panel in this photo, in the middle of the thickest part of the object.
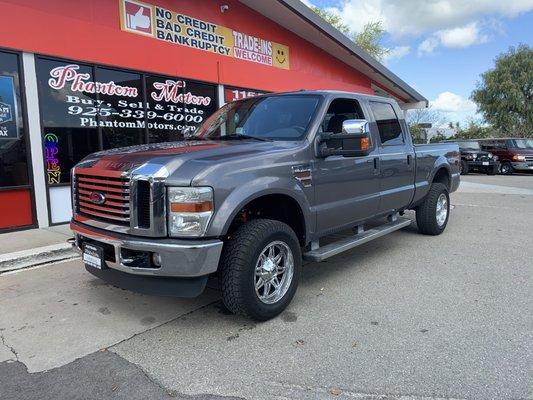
(15, 208)
(89, 30)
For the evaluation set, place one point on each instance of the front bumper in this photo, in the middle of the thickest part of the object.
(522, 166)
(180, 259)
(479, 164)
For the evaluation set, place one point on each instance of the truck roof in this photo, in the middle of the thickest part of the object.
(333, 92)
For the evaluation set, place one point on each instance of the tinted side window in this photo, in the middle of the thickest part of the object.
(339, 111)
(389, 127)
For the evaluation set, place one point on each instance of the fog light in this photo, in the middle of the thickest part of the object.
(156, 259)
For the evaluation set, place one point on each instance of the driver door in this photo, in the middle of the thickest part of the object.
(346, 188)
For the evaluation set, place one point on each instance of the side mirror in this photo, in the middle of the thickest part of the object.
(354, 141)
(355, 126)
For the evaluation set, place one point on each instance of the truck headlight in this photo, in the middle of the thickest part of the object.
(517, 157)
(490, 155)
(189, 210)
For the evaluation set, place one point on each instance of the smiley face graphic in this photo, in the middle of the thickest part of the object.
(280, 56)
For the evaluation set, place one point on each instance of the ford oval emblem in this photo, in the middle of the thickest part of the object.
(97, 198)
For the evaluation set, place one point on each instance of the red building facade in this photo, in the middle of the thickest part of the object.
(82, 76)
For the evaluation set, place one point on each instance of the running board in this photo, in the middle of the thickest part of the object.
(350, 242)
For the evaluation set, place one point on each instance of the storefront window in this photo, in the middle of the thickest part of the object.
(121, 108)
(69, 111)
(13, 155)
(177, 107)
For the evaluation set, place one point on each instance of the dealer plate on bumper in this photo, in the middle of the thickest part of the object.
(485, 163)
(93, 256)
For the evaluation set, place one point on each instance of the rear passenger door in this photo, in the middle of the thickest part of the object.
(396, 157)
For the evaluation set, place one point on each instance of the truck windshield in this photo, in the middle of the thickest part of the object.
(264, 118)
(522, 143)
(469, 145)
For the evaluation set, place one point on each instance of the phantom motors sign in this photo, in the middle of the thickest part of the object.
(180, 29)
(172, 104)
(8, 109)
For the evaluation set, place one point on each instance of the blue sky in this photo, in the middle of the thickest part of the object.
(441, 47)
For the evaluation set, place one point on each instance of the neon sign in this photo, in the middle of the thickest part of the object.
(53, 170)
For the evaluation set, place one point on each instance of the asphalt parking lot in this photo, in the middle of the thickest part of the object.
(403, 317)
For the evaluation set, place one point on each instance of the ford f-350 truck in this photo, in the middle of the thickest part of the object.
(256, 189)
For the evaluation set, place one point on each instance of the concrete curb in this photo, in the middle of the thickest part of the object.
(38, 256)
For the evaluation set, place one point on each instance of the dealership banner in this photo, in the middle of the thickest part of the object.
(173, 27)
(8, 109)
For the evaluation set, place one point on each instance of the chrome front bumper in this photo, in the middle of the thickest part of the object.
(522, 166)
(179, 258)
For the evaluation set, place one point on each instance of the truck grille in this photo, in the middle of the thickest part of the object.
(104, 198)
(529, 159)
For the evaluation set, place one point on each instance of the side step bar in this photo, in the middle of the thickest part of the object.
(332, 249)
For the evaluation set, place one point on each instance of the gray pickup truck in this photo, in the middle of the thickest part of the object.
(263, 184)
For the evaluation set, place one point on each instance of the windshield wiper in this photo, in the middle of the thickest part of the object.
(236, 136)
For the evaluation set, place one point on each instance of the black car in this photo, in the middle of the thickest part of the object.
(475, 159)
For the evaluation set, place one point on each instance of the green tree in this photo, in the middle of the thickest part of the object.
(476, 130)
(439, 137)
(369, 39)
(419, 119)
(505, 94)
(333, 19)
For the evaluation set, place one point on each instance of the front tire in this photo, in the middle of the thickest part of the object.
(260, 269)
(433, 214)
(506, 168)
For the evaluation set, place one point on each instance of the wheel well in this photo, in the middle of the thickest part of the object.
(279, 207)
(442, 176)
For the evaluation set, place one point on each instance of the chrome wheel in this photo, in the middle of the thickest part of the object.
(442, 209)
(274, 271)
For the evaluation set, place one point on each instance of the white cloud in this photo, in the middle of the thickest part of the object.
(427, 46)
(436, 23)
(459, 37)
(396, 53)
(463, 36)
(419, 17)
(448, 102)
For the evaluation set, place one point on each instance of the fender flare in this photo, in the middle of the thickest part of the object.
(242, 195)
(440, 163)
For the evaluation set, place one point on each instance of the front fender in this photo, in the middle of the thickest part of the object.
(249, 191)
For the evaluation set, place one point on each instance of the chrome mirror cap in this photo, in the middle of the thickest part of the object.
(354, 126)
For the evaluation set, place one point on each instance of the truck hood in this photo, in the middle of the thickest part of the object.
(479, 153)
(181, 160)
(523, 152)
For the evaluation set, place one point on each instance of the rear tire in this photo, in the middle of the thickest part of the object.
(249, 272)
(433, 214)
(506, 168)
(464, 168)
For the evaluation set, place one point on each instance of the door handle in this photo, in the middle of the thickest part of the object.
(409, 159)
(376, 162)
